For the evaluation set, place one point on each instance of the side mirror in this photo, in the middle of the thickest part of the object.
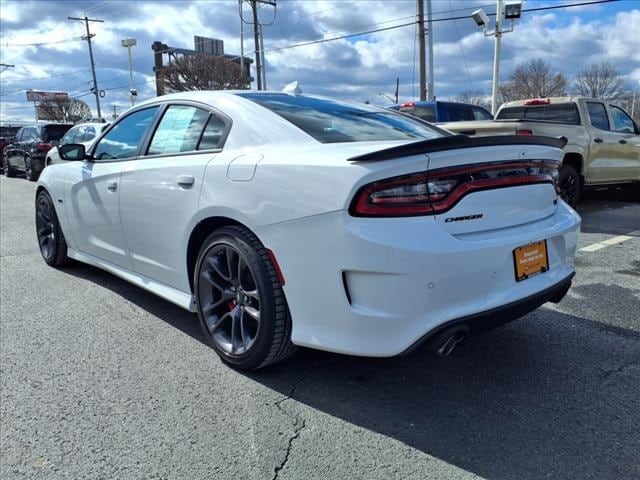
(72, 151)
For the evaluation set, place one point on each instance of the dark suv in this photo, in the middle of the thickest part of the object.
(28, 150)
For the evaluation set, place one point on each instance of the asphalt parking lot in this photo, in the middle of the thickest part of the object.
(102, 380)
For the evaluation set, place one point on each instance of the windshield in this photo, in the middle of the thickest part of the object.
(330, 121)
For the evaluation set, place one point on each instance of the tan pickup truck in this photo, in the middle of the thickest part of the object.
(603, 145)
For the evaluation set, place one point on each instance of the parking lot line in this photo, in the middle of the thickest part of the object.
(606, 243)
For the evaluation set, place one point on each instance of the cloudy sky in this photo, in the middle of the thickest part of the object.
(48, 54)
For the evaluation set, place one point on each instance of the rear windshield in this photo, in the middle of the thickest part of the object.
(329, 121)
(559, 113)
(54, 132)
(427, 114)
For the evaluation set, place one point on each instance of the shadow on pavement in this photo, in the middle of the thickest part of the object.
(540, 398)
(172, 314)
(550, 396)
(612, 210)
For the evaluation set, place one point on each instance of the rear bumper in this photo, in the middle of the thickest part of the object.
(502, 315)
(376, 287)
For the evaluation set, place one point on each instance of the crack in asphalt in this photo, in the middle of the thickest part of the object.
(298, 424)
(620, 369)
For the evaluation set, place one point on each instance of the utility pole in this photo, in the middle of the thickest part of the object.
(431, 94)
(241, 39)
(421, 35)
(261, 74)
(5, 66)
(86, 21)
(256, 41)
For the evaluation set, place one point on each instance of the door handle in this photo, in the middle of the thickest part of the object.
(597, 140)
(622, 140)
(112, 186)
(186, 180)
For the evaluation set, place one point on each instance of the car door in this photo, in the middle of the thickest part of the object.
(160, 191)
(24, 146)
(626, 143)
(603, 147)
(11, 150)
(93, 189)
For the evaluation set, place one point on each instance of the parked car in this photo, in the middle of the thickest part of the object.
(439, 111)
(27, 152)
(84, 133)
(603, 145)
(7, 134)
(287, 220)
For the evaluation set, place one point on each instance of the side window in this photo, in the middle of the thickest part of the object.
(88, 133)
(20, 134)
(213, 134)
(459, 113)
(598, 115)
(481, 114)
(30, 133)
(124, 139)
(70, 136)
(179, 130)
(621, 121)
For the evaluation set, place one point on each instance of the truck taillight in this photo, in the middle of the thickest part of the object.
(524, 132)
(435, 192)
(537, 101)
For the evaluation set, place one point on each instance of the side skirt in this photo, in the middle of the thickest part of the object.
(180, 298)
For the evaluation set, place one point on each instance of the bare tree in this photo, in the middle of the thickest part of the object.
(474, 97)
(65, 111)
(202, 72)
(600, 80)
(534, 79)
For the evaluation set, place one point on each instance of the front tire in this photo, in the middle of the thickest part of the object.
(241, 305)
(9, 171)
(53, 246)
(570, 185)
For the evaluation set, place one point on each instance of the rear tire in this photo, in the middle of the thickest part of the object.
(29, 174)
(570, 184)
(53, 246)
(9, 171)
(241, 305)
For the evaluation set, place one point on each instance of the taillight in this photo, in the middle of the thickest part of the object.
(43, 147)
(434, 192)
(524, 132)
(538, 101)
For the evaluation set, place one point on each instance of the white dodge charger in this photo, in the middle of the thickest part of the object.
(285, 220)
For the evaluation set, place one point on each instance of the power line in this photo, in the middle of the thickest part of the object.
(39, 44)
(341, 37)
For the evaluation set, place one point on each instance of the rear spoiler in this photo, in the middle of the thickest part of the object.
(455, 142)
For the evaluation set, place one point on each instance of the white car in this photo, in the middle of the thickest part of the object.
(84, 133)
(285, 220)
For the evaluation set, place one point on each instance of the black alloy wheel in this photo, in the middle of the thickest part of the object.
(241, 305)
(9, 170)
(569, 184)
(53, 246)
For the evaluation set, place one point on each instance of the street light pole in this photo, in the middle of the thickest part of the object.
(496, 58)
(511, 12)
(128, 43)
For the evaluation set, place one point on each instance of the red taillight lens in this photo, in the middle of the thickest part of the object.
(43, 147)
(538, 101)
(524, 132)
(430, 193)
